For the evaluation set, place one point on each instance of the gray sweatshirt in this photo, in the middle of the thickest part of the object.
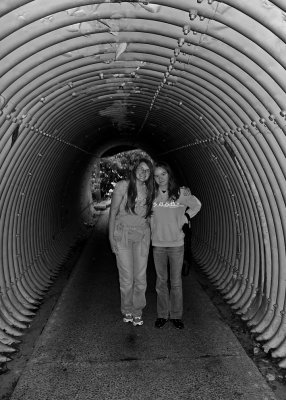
(168, 218)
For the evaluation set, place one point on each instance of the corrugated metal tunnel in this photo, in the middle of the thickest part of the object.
(201, 82)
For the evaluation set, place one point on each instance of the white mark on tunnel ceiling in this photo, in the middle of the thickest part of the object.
(151, 7)
(47, 19)
(89, 27)
(118, 112)
(2, 101)
(120, 49)
(22, 16)
(73, 28)
(86, 28)
(267, 3)
(102, 50)
(82, 11)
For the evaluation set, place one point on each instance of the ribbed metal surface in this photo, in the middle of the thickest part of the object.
(200, 81)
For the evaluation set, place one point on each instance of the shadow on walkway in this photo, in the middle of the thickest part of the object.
(87, 352)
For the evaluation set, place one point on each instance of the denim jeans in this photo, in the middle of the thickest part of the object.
(132, 265)
(169, 303)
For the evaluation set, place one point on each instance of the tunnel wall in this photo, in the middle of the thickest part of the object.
(199, 82)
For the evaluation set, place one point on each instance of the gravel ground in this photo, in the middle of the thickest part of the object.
(10, 372)
(273, 374)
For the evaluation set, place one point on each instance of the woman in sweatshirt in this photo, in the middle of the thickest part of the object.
(168, 217)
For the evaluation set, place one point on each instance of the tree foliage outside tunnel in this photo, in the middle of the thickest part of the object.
(113, 169)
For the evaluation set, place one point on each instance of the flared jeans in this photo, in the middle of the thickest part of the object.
(132, 265)
(169, 302)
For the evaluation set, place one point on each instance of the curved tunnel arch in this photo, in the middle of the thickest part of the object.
(200, 82)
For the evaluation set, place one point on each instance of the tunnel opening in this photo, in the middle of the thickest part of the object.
(113, 165)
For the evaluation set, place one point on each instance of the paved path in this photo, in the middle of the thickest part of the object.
(87, 352)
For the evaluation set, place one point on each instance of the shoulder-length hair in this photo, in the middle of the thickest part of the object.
(132, 189)
(173, 185)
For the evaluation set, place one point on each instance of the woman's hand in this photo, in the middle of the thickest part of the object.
(113, 245)
(185, 220)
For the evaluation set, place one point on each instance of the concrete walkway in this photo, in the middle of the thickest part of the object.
(87, 352)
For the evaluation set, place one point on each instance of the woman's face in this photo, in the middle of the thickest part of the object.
(142, 172)
(161, 177)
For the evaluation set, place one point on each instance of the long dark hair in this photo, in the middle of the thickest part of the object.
(132, 189)
(173, 185)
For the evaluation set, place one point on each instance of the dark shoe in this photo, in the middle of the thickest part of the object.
(160, 322)
(178, 323)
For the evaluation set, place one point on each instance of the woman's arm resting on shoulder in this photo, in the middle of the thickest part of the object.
(116, 200)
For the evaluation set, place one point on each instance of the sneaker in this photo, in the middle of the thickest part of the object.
(137, 321)
(127, 317)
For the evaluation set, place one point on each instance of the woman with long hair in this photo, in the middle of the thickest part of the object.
(129, 236)
(171, 204)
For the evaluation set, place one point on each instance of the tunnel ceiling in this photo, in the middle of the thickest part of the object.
(201, 82)
(172, 72)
